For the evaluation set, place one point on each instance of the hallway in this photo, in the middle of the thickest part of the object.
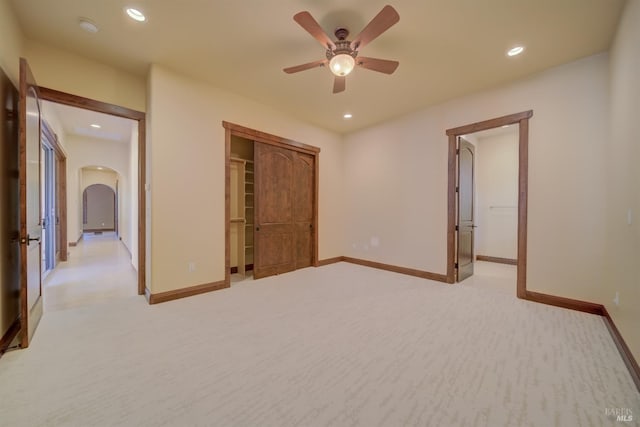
(98, 271)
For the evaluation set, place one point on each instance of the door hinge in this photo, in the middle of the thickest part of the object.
(457, 189)
(457, 228)
(457, 151)
(455, 265)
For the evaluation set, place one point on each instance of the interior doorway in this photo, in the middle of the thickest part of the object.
(454, 225)
(488, 208)
(138, 169)
(496, 199)
(98, 209)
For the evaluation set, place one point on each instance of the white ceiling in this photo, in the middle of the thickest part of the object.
(78, 121)
(446, 48)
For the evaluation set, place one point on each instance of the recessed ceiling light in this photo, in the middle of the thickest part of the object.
(99, 168)
(135, 14)
(515, 51)
(88, 25)
(348, 115)
(96, 126)
(505, 126)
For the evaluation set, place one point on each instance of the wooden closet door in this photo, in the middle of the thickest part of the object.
(274, 234)
(303, 203)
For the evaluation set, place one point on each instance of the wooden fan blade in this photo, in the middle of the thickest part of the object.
(339, 84)
(378, 25)
(379, 65)
(307, 66)
(307, 22)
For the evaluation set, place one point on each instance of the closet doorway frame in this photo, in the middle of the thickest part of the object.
(71, 100)
(522, 119)
(265, 138)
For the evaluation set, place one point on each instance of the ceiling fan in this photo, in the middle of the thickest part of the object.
(342, 54)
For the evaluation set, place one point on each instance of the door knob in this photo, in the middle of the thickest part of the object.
(29, 239)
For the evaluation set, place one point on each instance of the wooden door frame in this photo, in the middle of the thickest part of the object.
(266, 138)
(56, 96)
(522, 119)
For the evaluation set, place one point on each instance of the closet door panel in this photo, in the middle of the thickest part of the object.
(304, 246)
(303, 208)
(276, 250)
(274, 236)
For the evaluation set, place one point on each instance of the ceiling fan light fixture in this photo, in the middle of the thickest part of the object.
(342, 64)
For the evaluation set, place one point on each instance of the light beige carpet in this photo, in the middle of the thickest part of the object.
(341, 345)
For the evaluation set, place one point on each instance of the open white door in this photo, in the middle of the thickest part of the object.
(466, 227)
(30, 225)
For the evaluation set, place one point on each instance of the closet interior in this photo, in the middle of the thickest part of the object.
(242, 204)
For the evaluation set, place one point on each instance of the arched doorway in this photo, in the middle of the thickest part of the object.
(98, 209)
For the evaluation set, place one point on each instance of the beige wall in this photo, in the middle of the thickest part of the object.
(623, 173)
(496, 207)
(186, 166)
(396, 179)
(11, 41)
(93, 176)
(61, 70)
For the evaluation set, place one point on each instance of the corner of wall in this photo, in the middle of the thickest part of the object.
(11, 41)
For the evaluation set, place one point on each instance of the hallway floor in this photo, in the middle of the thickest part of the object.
(495, 276)
(99, 270)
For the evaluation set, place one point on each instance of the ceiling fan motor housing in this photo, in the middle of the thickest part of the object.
(342, 47)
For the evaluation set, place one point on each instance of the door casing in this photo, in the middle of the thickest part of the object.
(522, 119)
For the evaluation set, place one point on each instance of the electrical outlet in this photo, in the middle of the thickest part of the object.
(192, 266)
(629, 217)
(616, 299)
